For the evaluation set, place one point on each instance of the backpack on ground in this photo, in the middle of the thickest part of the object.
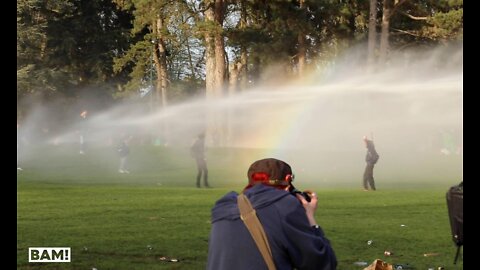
(455, 213)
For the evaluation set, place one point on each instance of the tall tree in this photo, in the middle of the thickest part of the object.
(372, 33)
(238, 70)
(419, 22)
(215, 48)
(65, 48)
(148, 51)
(301, 47)
(160, 59)
(215, 66)
(386, 14)
(427, 22)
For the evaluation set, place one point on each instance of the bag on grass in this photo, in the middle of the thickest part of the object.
(379, 265)
(455, 213)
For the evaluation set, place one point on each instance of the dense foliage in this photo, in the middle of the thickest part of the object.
(115, 48)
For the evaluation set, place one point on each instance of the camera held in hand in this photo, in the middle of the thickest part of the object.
(304, 194)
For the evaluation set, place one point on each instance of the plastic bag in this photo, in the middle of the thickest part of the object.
(379, 265)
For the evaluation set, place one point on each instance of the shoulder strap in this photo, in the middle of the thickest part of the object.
(249, 217)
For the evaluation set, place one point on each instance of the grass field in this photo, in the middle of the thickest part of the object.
(120, 221)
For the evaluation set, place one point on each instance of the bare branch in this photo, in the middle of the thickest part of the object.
(407, 32)
(414, 17)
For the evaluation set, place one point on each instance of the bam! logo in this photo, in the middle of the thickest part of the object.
(51, 254)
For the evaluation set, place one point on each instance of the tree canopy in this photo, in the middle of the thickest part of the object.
(114, 48)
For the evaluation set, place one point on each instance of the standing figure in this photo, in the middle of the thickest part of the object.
(287, 225)
(123, 151)
(83, 116)
(198, 153)
(371, 158)
(18, 148)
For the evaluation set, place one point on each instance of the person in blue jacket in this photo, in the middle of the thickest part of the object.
(295, 238)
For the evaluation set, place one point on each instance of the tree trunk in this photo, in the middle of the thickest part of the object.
(160, 59)
(232, 89)
(255, 70)
(220, 66)
(190, 61)
(233, 78)
(372, 34)
(384, 43)
(209, 58)
(215, 68)
(243, 70)
(302, 51)
(302, 55)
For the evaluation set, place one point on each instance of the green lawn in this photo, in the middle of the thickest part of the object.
(119, 221)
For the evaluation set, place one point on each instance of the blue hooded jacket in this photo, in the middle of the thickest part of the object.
(294, 243)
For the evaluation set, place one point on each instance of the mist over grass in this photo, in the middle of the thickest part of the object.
(174, 167)
(130, 221)
(411, 107)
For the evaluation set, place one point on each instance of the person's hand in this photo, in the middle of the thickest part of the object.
(310, 207)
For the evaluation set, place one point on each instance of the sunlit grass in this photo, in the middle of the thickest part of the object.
(119, 221)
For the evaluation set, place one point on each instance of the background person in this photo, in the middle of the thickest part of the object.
(371, 159)
(197, 151)
(83, 119)
(123, 150)
(18, 148)
(295, 238)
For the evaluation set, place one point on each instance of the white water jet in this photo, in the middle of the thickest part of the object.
(412, 108)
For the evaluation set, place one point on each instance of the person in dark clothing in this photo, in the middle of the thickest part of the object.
(198, 153)
(123, 151)
(371, 158)
(18, 148)
(295, 239)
